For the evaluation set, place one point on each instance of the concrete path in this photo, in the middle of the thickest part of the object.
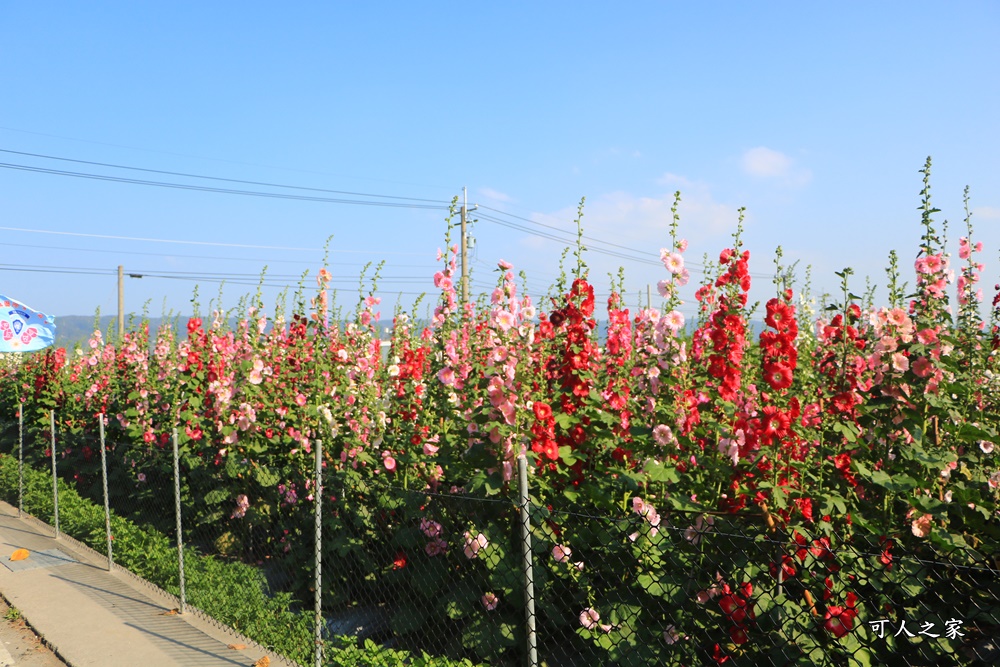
(90, 616)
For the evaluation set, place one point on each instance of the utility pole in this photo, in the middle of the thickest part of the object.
(121, 302)
(465, 244)
(649, 296)
(465, 249)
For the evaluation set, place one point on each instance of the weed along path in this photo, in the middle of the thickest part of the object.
(19, 645)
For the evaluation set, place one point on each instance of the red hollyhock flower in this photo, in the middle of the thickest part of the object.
(778, 376)
(839, 620)
(542, 411)
(400, 561)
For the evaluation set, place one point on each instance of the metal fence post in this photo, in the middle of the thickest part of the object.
(318, 554)
(104, 478)
(55, 480)
(529, 578)
(177, 508)
(20, 461)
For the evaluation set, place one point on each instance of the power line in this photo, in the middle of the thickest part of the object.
(213, 159)
(268, 260)
(181, 242)
(228, 191)
(218, 178)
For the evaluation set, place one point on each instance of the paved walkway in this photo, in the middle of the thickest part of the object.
(90, 616)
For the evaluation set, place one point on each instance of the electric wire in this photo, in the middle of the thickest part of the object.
(229, 191)
(219, 178)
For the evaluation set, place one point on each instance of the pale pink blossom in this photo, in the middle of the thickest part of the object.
(663, 435)
(505, 320)
(561, 553)
(675, 320)
(430, 528)
(900, 362)
(589, 618)
(986, 446)
(473, 545)
(436, 547)
(490, 601)
(242, 505)
(921, 526)
(447, 376)
(673, 262)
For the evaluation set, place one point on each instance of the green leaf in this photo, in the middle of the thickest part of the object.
(217, 496)
(566, 455)
(659, 473)
(265, 477)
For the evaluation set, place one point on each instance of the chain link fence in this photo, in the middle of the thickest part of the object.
(454, 578)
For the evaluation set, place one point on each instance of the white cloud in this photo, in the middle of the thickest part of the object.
(644, 222)
(495, 195)
(766, 163)
(986, 213)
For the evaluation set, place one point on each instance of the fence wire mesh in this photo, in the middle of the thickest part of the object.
(442, 572)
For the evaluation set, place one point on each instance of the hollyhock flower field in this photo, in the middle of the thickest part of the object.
(702, 494)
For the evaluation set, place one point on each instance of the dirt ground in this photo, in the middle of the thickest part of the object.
(19, 645)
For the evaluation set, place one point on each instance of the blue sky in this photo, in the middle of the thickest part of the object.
(814, 117)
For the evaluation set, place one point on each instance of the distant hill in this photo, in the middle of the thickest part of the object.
(72, 330)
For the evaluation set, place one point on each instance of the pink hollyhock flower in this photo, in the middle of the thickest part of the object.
(505, 320)
(490, 601)
(670, 635)
(663, 435)
(561, 553)
(447, 376)
(922, 367)
(473, 545)
(430, 528)
(675, 320)
(242, 505)
(504, 265)
(927, 336)
(300, 400)
(664, 288)
(986, 446)
(389, 463)
(921, 526)
(436, 547)
(674, 263)
(897, 317)
(994, 480)
(683, 277)
(508, 411)
(900, 362)
(430, 449)
(589, 618)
